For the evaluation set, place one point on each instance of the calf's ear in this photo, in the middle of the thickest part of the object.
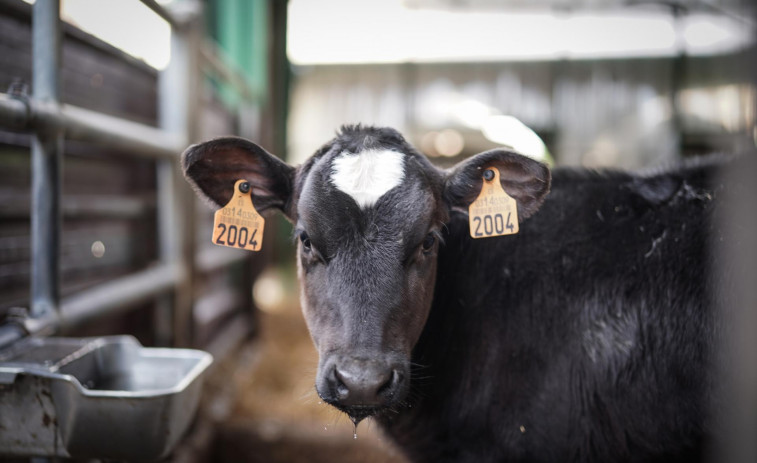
(526, 180)
(214, 166)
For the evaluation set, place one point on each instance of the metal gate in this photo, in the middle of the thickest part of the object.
(170, 281)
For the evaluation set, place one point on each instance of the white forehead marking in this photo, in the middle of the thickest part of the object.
(367, 175)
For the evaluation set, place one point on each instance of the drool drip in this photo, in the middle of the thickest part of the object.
(354, 427)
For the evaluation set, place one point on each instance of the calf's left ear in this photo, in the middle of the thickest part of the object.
(524, 179)
(214, 166)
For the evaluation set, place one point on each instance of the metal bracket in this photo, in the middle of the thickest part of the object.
(19, 90)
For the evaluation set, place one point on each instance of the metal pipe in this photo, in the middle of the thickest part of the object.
(116, 295)
(179, 86)
(212, 258)
(160, 11)
(219, 66)
(169, 236)
(137, 139)
(77, 206)
(47, 149)
(229, 337)
(173, 91)
(734, 250)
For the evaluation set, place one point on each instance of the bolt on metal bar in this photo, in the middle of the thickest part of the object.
(10, 333)
(14, 112)
(47, 149)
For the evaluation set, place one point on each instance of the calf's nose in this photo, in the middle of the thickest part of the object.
(364, 383)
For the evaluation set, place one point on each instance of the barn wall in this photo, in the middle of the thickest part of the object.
(628, 113)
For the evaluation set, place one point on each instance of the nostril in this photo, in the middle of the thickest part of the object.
(389, 384)
(364, 384)
(342, 391)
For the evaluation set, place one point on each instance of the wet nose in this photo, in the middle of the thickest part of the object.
(364, 383)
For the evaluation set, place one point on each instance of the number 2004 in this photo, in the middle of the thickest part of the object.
(236, 236)
(492, 224)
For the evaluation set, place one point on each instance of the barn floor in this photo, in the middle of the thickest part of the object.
(279, 417)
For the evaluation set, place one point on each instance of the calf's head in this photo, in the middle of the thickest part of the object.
(369, 212)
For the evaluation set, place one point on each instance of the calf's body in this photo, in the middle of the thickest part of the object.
(587, 336)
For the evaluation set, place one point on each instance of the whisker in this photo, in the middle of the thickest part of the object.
(419, 365)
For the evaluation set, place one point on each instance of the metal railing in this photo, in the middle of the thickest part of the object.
(51, 122)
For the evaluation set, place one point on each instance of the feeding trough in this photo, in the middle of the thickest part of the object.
(104, 397)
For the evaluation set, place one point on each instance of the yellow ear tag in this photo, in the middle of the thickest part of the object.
(494, 212)
(238, 224)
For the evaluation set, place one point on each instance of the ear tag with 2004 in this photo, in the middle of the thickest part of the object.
(494, 212)
(238, 224)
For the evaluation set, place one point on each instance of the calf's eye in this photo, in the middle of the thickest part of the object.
(428, 242)
(305, 240)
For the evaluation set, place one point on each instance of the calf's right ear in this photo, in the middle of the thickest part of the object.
(213, 167)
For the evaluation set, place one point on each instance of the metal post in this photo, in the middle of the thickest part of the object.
(167, 247)
(47, 149)
(172, 86)
(184, 302)
(179, 91)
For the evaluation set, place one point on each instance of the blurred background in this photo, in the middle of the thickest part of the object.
(603, 83)
(595, 83)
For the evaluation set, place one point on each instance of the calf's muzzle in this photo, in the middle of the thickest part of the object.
(360, 387)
